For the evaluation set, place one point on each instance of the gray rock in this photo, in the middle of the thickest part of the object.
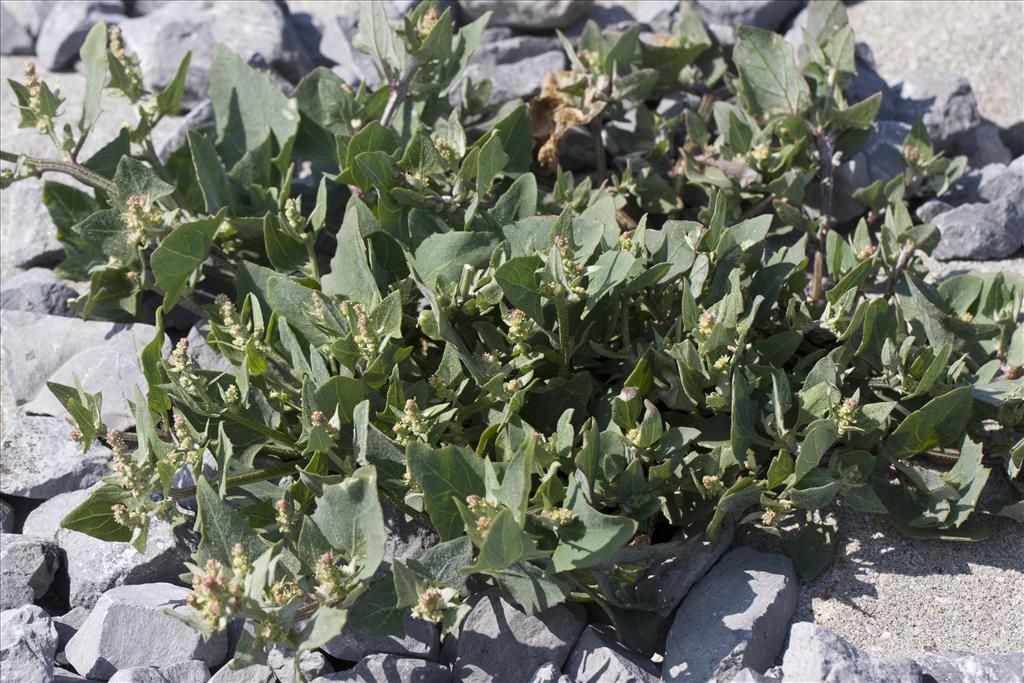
(112, 369)
(407, 539)
(748, 676)
(667, 582)
(724, 16)
(983, 146)
(204, 355)
(391, 669)
(549, 673)
(531, 16)
(96, 566)
(257, 673)
(515, 66)
(68, 624)
(109, 638)
(190, 671)
(28, 364)
(40, 461)
(498, 642)
(34, 13)
(354, 66)
(733, 618)
(14, 39)
(6, 517)
(162, 37)
(28, 233)
(927, 212)
(658, 14)
(881, 158)
(945, 101)
(28, 643)
(37, 290)
(64, 676)
(65, 27)
(815, 654)
(200, 117)
(420, 640)
(675, 104)
(980, 231)
(311, 665)
(599, 658)
(27, 566)
(954, 667)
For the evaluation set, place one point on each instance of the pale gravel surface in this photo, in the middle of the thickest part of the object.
(981, 39)
(886, 594)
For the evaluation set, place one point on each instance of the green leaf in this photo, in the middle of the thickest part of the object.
(445, 254)
(771, 81)
(350, 516)
(351, 276)
(531, 588)
(341, 394)
(858, 116)
(221, 528)
(375, 31)
(819, 438)
(168, 100)
(180, 254)
(286, 253)
(592, 538)
(135, 178)
(520, 283)
(214, 182)
(94, 59)
(812, 549)
(505, 544)
(940, 422)
(95, 518)
(444, 474)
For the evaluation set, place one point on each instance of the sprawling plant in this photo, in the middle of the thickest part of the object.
(565, 378)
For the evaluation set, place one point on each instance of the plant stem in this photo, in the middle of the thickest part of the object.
(564, 342)
(77, 171)
(826, 173)
(250, 477)
(398, 94)
(599, 154)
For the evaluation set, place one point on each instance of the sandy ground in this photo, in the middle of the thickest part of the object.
(885, 593)
(981, 39)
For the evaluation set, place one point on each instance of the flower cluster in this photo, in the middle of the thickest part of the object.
(433, 602)
(334, 581)
(142, 216)
(411, 426)
(218, 592)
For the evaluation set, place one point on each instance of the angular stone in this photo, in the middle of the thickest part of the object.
(599, 658)
(27, 566)
(38, 460)
(944, 100)
(549, 673)
(311, 665)
(28, 642)
(667, 582)
(815, 654)
(733, 618)
(531, 16)
(28, 233)
(68, 624)
(200, 117)
(519, 80)
(257, 673)
(748, 676)
(109, 638)
(980, 231)
(14, 40)
(420, 640)
(65, 27)
(64, 676)
(112, 369)
(28, 364)
(927, 212)
(498, 642)
(955, 667)
(391, 669)
(162, 37)
(983, 146)
(96, 566)
(407, 538)
(6, 517)
(724, 16)
(190, 671)
(352, 65)
(37, 290)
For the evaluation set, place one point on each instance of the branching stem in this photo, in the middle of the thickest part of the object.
(399, 91)
(75, 170)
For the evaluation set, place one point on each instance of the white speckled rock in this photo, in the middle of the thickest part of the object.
(27, 232)
(28, 641)
(391, 669)
(27, 566)
(109, 638)
(190, 671)
(735, 617)
(257, 673)
(815, 654)
(599, 658)
(95, 566)
(954, 667)
(64, 29)
(532, 16)
(38, 460)
(420, 640)
(37, 290)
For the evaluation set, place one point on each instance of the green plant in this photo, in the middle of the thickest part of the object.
(555, 380)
